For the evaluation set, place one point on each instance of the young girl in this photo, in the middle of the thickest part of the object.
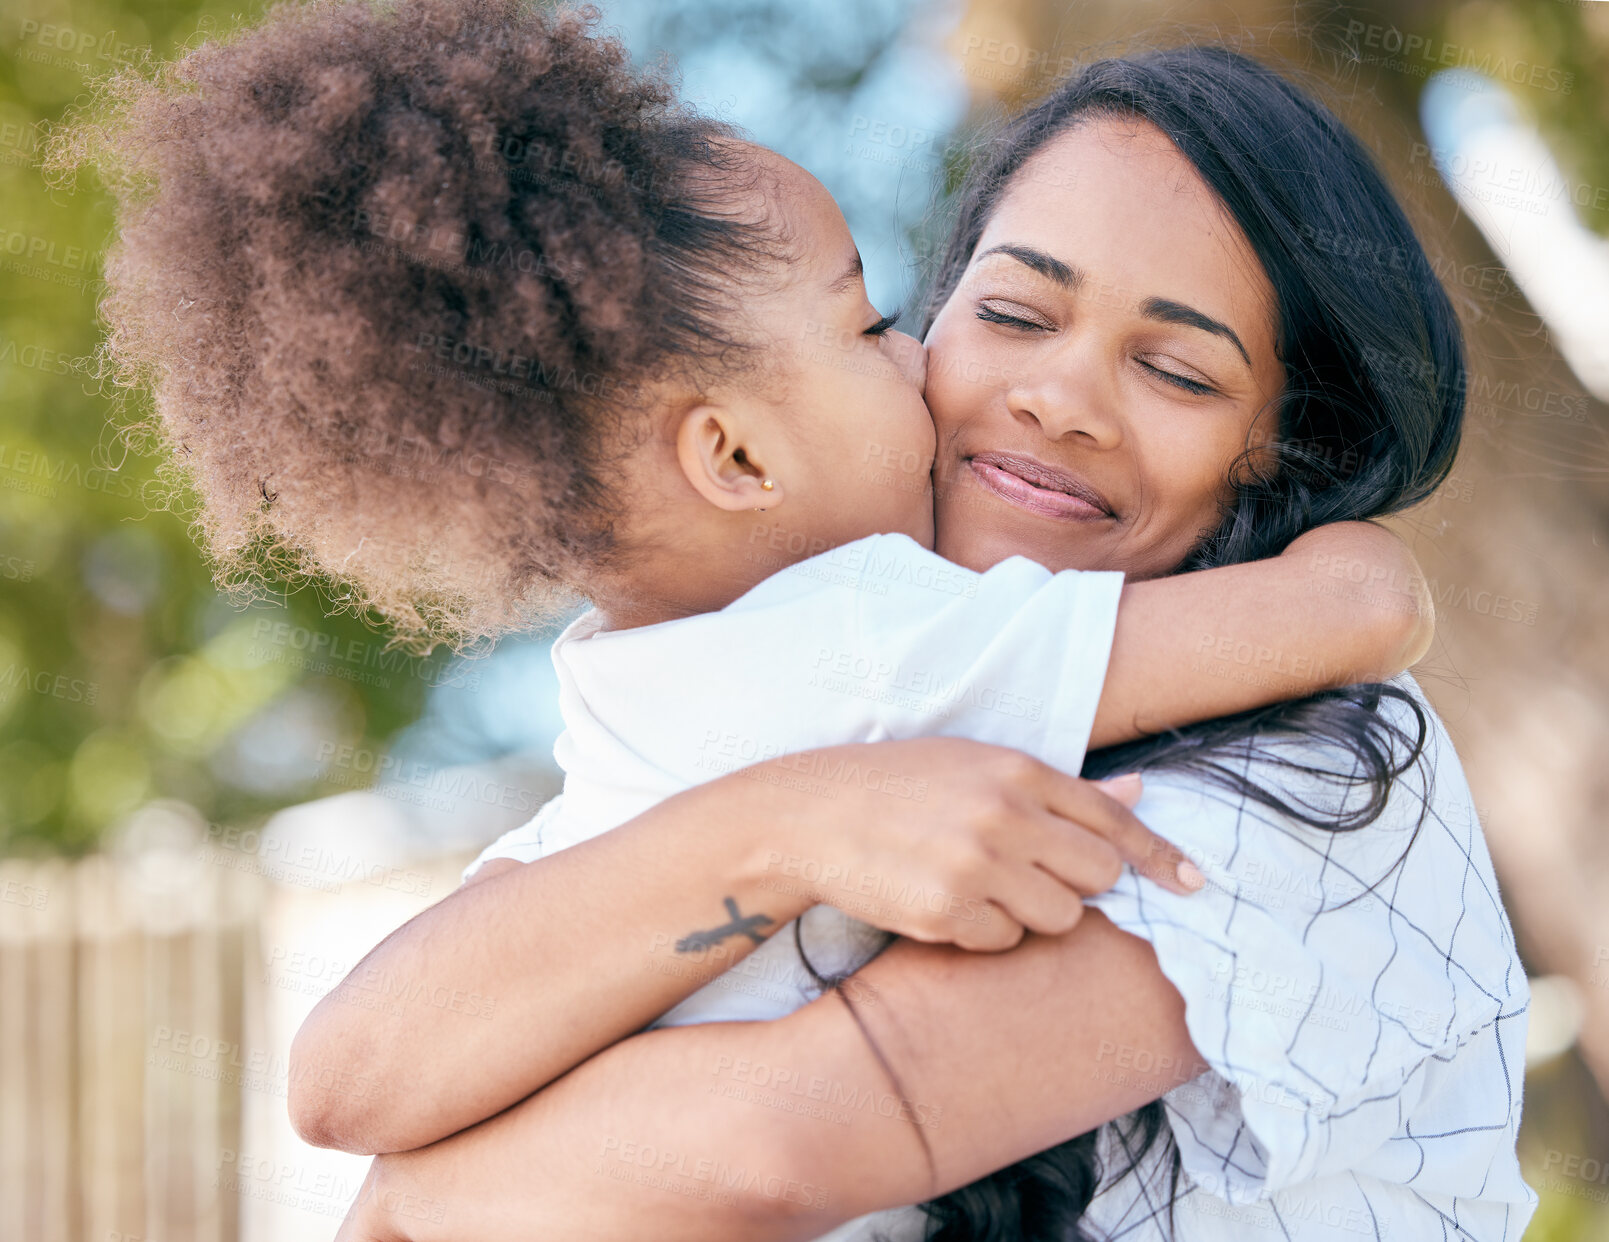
(450, 305)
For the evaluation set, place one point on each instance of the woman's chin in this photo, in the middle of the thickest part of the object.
(980, 545)
(977, 529)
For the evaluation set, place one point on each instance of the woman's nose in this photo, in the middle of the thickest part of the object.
(1068, 395)
(910, 357)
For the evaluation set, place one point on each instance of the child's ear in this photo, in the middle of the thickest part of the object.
(723, 464)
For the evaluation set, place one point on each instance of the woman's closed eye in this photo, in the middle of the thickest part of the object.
(1194, 386)
(1024, 320)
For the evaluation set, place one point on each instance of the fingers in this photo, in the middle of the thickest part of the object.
(1087, 805)
(1049, 901)
(985, 927)
(1125, 789)
(1083, 862)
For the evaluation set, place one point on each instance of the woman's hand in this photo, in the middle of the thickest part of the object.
(951, 841)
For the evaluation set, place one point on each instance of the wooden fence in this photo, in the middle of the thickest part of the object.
(127, 1009)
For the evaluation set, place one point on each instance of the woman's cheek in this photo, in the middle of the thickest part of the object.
(957, 365)
(944, 406)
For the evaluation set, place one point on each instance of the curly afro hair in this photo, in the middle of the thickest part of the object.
(396, 276)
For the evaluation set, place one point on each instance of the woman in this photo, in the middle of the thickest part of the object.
(1328, 1040)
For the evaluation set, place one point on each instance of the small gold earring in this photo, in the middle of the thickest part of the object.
(767, 485)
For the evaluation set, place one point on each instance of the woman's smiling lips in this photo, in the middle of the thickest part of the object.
(1039, 488)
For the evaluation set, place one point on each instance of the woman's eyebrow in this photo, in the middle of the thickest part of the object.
(1047, 265)
(1167, 311)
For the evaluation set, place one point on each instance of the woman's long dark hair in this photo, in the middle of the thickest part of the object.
(1368, 425)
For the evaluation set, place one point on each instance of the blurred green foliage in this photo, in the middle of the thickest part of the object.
(1571, 38)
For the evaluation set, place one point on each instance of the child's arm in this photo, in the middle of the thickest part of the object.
(531, 968)
(1344, 603)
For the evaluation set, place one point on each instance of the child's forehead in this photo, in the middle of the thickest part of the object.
(808, 214)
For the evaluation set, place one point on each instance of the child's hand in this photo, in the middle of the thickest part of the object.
(951, 841)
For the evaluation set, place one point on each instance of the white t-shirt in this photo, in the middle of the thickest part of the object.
(878, 639)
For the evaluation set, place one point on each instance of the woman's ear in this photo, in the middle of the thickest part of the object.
(723, 464)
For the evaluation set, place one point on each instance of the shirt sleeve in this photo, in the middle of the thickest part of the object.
(524, 844)
(1326, 1008)
(1015, 656)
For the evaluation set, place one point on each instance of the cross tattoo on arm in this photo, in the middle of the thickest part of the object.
(738, 924)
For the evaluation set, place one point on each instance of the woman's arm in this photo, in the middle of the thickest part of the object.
(681, 1133)
(1344, 603)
